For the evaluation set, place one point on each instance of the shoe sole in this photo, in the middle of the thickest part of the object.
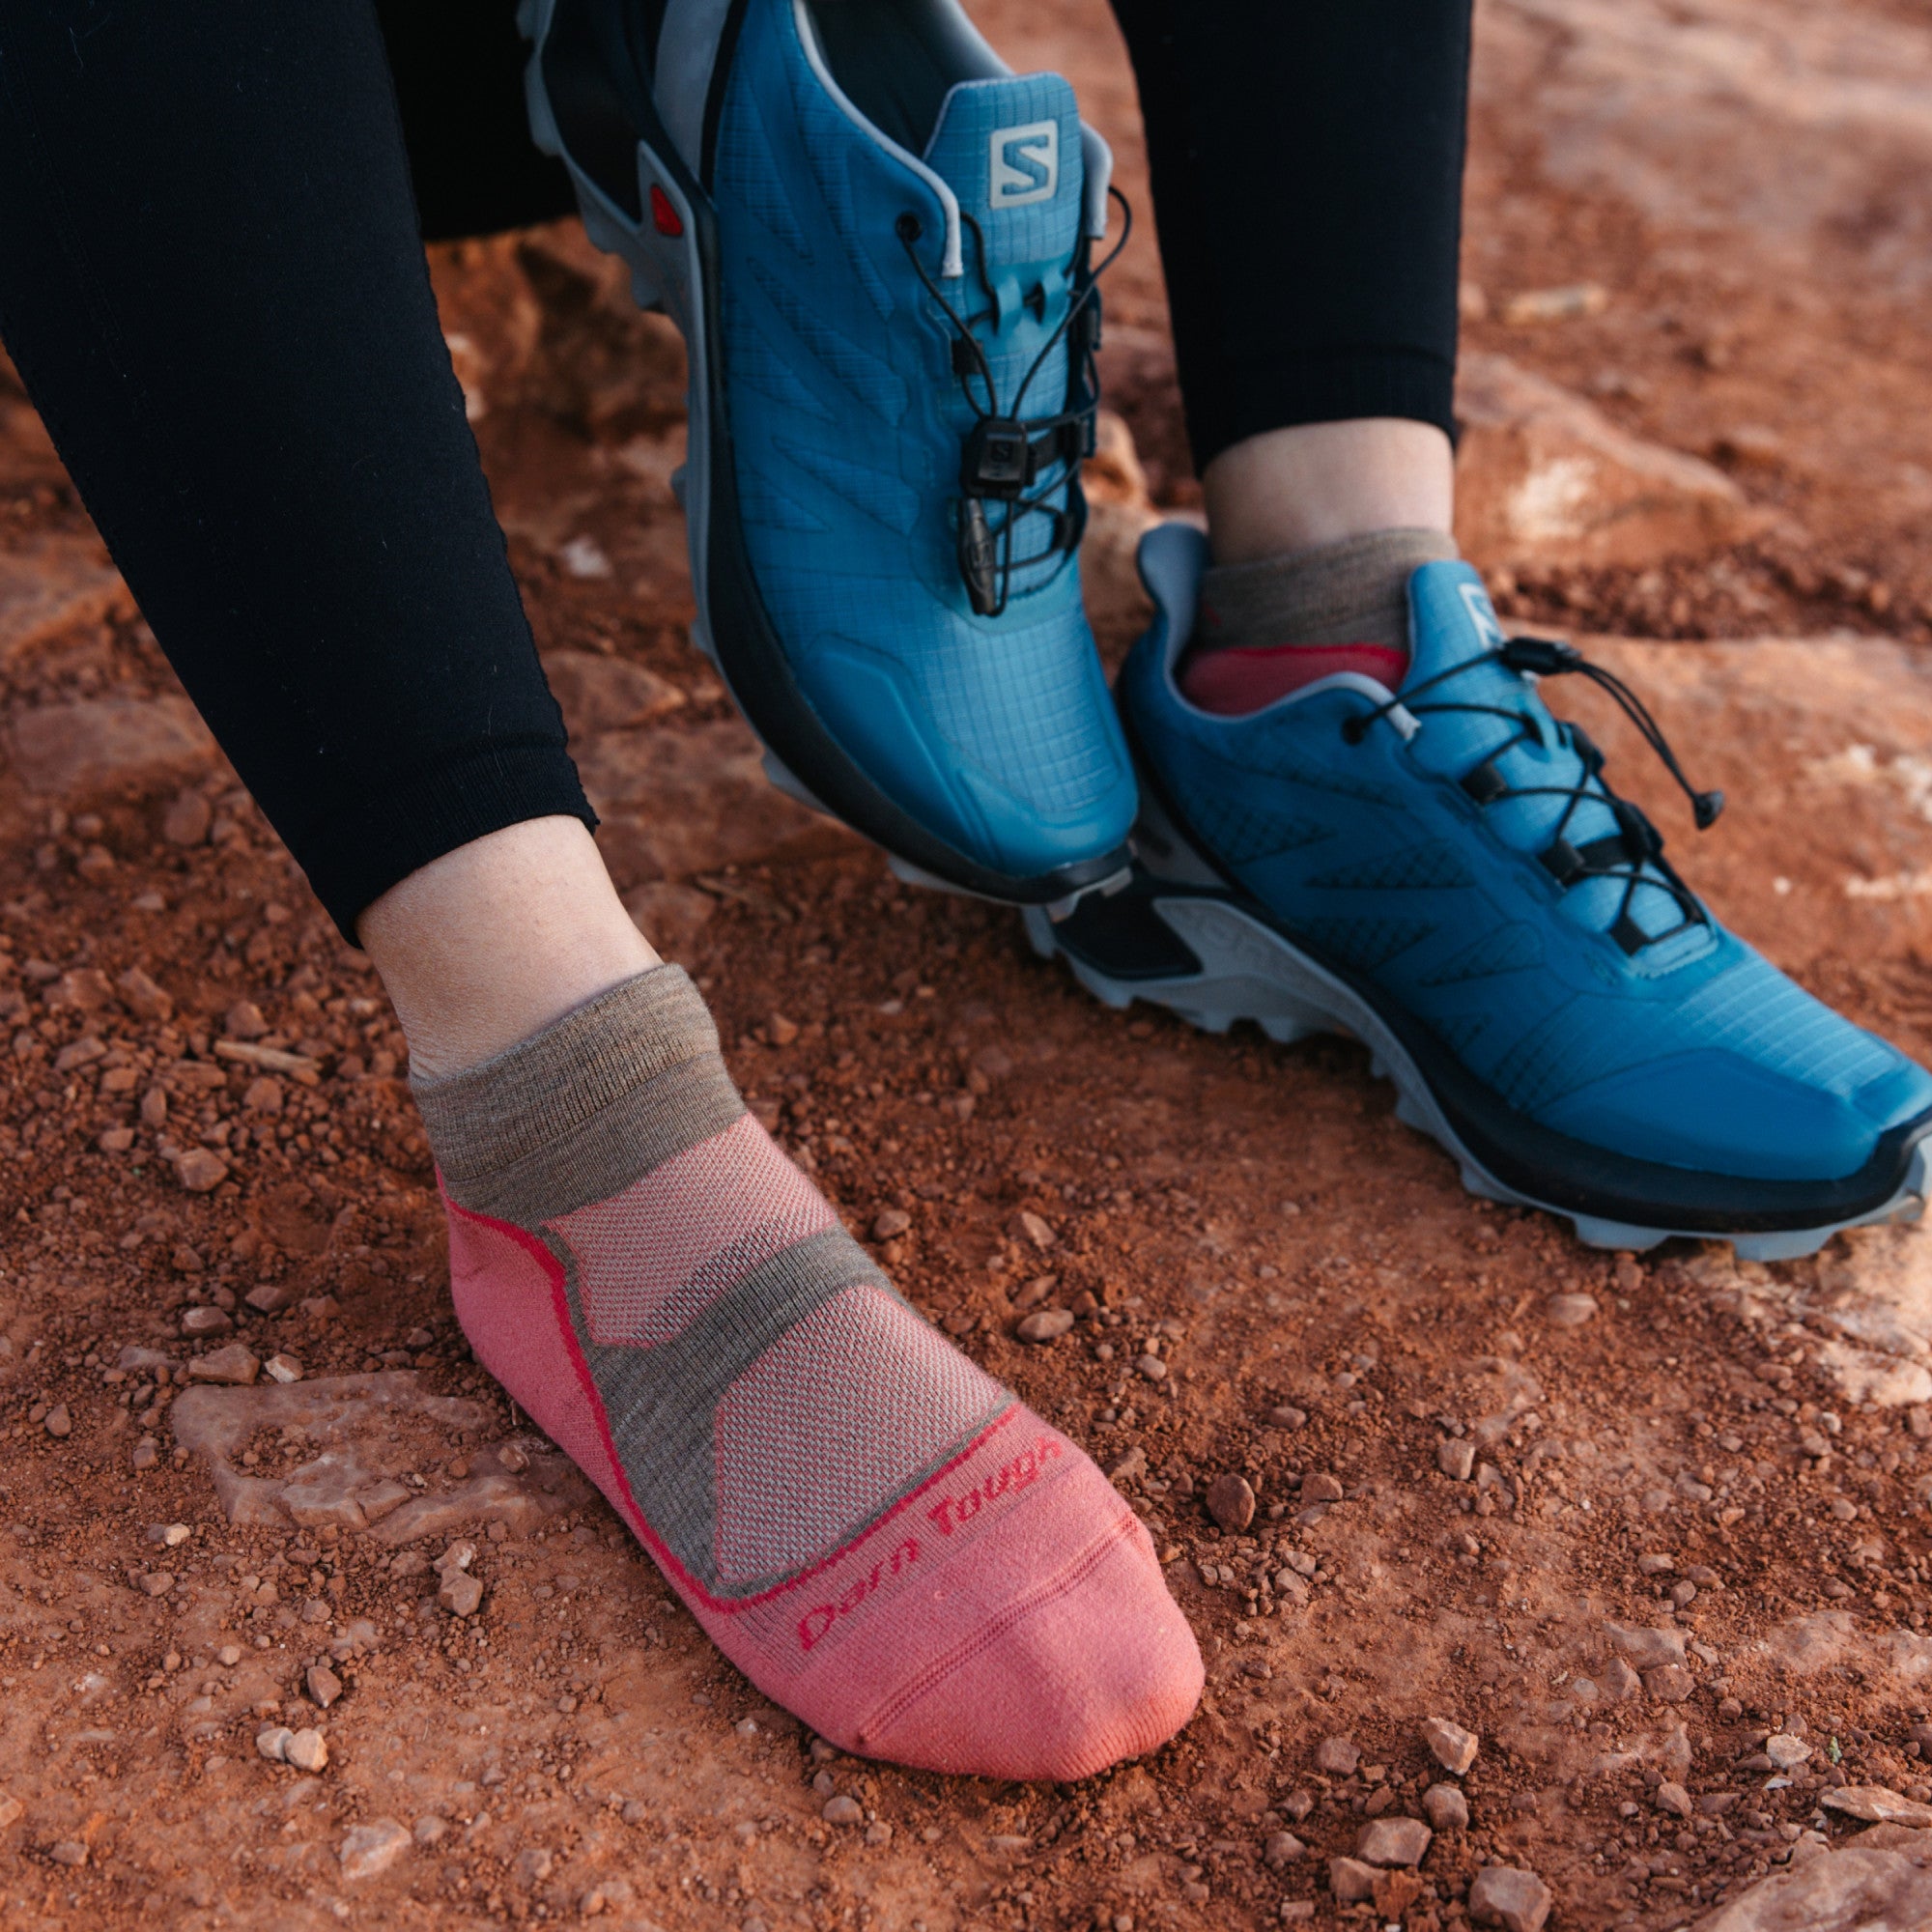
(676, 275)
(1243, 968)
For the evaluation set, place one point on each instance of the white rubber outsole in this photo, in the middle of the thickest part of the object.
(1250, 973)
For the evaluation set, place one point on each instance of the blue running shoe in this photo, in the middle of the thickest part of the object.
(1441, 871)
(876, 239)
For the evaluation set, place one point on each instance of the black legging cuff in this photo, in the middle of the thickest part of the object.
(382, 835)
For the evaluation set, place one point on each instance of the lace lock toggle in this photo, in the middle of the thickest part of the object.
(1541, 657)
(997, 460)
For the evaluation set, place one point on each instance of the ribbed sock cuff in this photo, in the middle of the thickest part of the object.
(539, 1096)
(1350, 592)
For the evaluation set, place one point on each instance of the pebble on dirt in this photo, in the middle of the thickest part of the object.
(283, 1369)
(1338, 1757)
(307, 1750)
(322, 1683)
(1352, 1881)
(273, 1743)
(1451, 1746)
(1231, 1501)
(1320, 1488)
(200, 1172)
(236, 1366)
(1671, 1797)
(890, 1224)
(1393, 1842)
(57, 1421)
(373, 1848)
(1569, 1311)
(842, 1811)
(1506, 1896)
(1456, 1457)
(461, 1594)
(209, 1320)
(1045, 1325)
(1285, 1415)
(1446, 1809)
(1283, 1848)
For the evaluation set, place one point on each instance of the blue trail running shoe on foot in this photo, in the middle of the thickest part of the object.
(1441, 871)
(876, 239)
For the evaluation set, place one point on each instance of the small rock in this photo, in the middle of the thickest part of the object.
(1130, 1468)
(322, 1683)
(1672, 1797)
(782, 1030)
(1538, 305)
(1350, 1881)
(208, 1320)
(228, 1655)
(1152, 1367)
(147, 1453)
(273, 1743)
(890, 1224)
(1877, 1805)
(1027, 1226)
(533, 1864)
(283, 1369)
(67, 1851)
(1393, 1842)
(1285, 1415)
(57, 1421)
(1671, 1684)
(1337, 1756)
(1045, 1325)
(370, 1849)
(244, 1021)
(842, 1811)
(186, 820)
(1456, 1457)
(156, 1583)
(199, 1170)
(880, 1833)
(1505, 1895)
(1320, 1488)
(461, 1595)
(1620, 1682)
(306, 1750)
(10, 1809)
(1786, 1752)
(1231, 1501)
(1569, 1311)
(429, 1829)
(1283, 1848)
(270, 1298)
(1446, 1809)
(234, 1367)
(1452, 1747)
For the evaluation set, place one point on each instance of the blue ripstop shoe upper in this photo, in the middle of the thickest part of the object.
(939, 636)
(1452, 849)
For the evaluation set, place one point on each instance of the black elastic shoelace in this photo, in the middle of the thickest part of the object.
(1006, 453)
(1623, 854)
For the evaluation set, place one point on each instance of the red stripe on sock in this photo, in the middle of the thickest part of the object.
(1241, 678)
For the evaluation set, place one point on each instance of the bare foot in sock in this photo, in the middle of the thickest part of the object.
(877, 1533)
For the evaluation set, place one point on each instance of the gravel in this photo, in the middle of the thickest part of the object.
(1231, 1501)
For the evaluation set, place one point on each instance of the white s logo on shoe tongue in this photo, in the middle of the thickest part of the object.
(1025, 164)
(1476, 602)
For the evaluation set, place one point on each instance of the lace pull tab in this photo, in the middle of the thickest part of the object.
(979, 559)
(1707, 807)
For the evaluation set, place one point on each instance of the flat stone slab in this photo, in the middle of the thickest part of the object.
(50, 584)
(342, 1449)
(60, 749)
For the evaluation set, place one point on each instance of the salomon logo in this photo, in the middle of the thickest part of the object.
(1476, 602)
(1025, 164)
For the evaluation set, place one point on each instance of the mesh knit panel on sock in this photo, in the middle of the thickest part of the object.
(656, 1256)
(857, 1402)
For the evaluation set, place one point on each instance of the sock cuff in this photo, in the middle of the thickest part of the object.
(543, 1091)
(1317, 596)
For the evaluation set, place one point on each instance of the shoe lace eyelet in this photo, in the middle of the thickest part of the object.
(908, 227)
(1353, 731)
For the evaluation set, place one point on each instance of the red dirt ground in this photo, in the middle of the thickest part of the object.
(1746, 186)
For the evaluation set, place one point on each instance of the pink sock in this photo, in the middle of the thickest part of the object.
(867, 1525)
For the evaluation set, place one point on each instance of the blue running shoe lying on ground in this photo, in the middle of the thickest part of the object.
(876, 240)
(1441, 871)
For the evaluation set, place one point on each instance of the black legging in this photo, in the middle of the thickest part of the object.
(212, 283)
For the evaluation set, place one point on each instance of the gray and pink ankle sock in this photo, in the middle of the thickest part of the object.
(881, 1537)
(1269, 628)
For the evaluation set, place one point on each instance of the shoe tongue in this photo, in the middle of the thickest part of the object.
(1009, 149)
(1453, 624)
